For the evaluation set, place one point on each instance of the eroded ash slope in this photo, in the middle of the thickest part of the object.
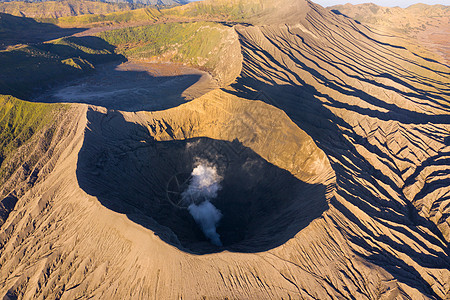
(347, 110)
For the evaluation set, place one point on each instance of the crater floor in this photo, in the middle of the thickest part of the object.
(134, 86)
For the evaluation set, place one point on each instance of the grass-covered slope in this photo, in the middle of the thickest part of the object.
(9, 22)
(19, 121)
(27, 68)
(56, 9)
(29, 133)
(231, 10)
(20, 30)
(244, 11)
(148, 14)
(206, 45)
(187, 41)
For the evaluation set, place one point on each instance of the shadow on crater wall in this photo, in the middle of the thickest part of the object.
(332, 133)
(129, 172)
(129, 88)
(31, 70)
(23, 30)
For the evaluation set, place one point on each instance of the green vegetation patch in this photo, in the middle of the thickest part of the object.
(29, 68)
(197, 43)
(54, 9)
(19, 121)
(230, 10)
(89, 48)
(77, 63)
(142, 14)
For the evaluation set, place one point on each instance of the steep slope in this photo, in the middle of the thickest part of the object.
(410, 20)
(19, 30)
(150, 2)
(205, 45)
(356, 129)
(56, 9)
(26, 132)
(247, 11)
(429, 24)
(27, 69)
(145, 2)
(80, 224)
(381, 115)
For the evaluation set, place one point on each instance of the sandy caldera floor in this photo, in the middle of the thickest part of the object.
(134, 86)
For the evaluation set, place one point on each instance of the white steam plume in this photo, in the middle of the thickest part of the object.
(207, 216)
(203, 186)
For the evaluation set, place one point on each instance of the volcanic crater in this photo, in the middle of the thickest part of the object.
(132, 170)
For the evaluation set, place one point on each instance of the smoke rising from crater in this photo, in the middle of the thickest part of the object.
(203, 186)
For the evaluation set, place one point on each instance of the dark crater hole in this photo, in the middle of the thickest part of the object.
(262, 205)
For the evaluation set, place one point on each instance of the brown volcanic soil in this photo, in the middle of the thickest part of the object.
(134, 86)
(437, 39)
(268, 194)
(56, 9)
(427, 24)
(351, 130)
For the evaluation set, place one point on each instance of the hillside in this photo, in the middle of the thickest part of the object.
(83, 5)
(327, 143)
(65, 8)
(429, 24)
(243, 11)
(128, 18)
(19, 31)
(28, 69)
(56, 9)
